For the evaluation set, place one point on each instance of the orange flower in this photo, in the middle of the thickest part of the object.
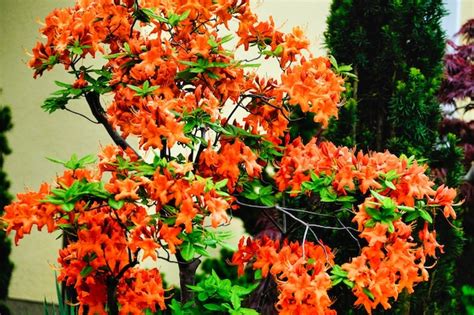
(127, 189)
(169, 235)
(444, 196)
(218, 207)
(186, 214)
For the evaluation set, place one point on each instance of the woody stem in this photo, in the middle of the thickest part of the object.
(187, 276)
(96, 108)
(112, 304)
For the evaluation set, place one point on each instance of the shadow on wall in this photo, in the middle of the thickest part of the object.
(22, 307)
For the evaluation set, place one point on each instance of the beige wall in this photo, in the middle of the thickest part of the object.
(37, 134)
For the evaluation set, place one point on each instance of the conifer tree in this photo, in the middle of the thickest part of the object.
(6, 267)
(396, 48)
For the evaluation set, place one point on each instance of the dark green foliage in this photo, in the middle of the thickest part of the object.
(342, 131)
(468, 298)
(440, 295)
(414, 98)
(384, 40)
(448, 156)
(6, 267)
(396, 48)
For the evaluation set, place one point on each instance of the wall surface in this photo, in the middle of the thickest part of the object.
(37, 135)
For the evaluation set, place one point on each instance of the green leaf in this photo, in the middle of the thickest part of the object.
(213, 307)
(346, 199)
(405, 208)
(390, 185)
(258, 274)
(88, 159)
(248, 311)
(153, 15)
(211, 41)
(337, 270)
(116, 204)
(202, 296)
(221, 184)
(62, 84)
(389, 204)
(86, 271)
(374, 213)
(328, 195)
(268, 201)
(68, 207)
(370, 223)
(187, 251)
(391, 227)
(235, 300)
(184, 16)
(77, 50)
(56, 160)
(425, 215)
(113, 56)
(377, 196)
(336, 281)
(226, 39)
(349, 283)
(412, 216)
(213, 75)
(368, 293)
(333, 62)
(278, 50)
(250, 65)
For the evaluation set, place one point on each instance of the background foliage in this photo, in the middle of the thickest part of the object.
(6, 266)
(396, 49)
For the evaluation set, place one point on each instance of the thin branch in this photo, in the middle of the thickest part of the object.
(99, 114)
(253, 206)
(348, 231)
(239, 104)
(275, 223)
(79, 114)
(135, 19)
(308, 212)
(178, 262)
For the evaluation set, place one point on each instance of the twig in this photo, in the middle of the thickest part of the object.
(348, 231)
(79, 114)
(99, 114)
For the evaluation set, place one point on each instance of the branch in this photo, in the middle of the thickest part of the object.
(99, 114)
(308, 226)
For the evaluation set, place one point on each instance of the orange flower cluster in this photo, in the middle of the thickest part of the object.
(29, 211)
(168, 186)
(300, 271)
(391, 263)
(314, 87)
(88, 25)
(358, 171)
(151, 66)
(98, 249)
(225, 163)
(106, 244)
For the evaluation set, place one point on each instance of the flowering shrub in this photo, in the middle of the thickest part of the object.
(177, 85)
